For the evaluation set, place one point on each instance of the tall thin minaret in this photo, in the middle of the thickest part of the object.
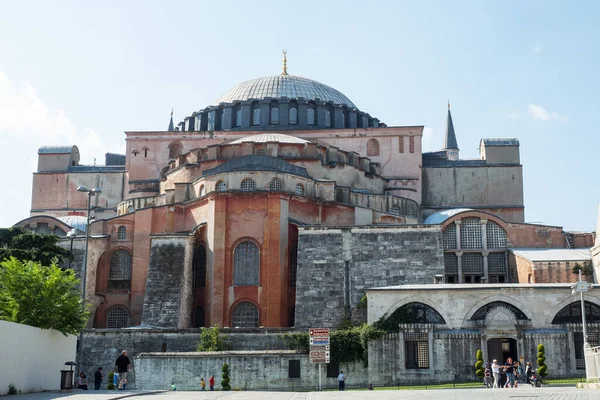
(450, 145)
(171, 125)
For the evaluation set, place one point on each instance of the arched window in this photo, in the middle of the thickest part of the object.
(221, 186)
(495, 235)
(246, 262)
(202, 190)
(274, 115)
(300, 189)
(395, 209)
(411, 313)
(293, 265)
(310, 116)
(343, 119)
(372, 147)
(117, 318)
(205, 156)
(130, 209)
(256, 116)
(449, 237)
(199, 317)
(275, 185)
(470, 234)
(260, 152)
(122, 233)
(119, 277)
(199, 267)
(248, 185)
(482, 313)
(145, 150)
(174, 150)
(293, 116)
(327, 118)
(244, 315)
(222, 119)
(238, 118)
(571, 314)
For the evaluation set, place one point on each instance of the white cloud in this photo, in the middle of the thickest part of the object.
(427, 140)
(537, 49)
(26, 124)
(513, 115)
(541, 114)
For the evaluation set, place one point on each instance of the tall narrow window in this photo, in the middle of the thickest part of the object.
(274, 116)
(293, 265)
(238, 118)
(246, 262)
(256, 117)
(199, 317)
(411, 144)
(293, 116)
(417, 350)
(245, 315)
(174, 150)
(310, 116)
(343, 120)
(117, 318)
(300, 189)
(248, 185)
(122, 233)
(327, 118)
(372, 147)
(119, 277)
(202, 190)
(199, 267)
(275, 185)
(401, 144)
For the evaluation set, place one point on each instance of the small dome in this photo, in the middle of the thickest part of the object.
(270, 137)
(75, 221)
(288, 86)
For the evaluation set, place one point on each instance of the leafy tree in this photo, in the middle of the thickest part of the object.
(211, 340)
(24, 245)
(479, 371)
(44, 297)
(586, 269)
(225, 381)
(541, 361)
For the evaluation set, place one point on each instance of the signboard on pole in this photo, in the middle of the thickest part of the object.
(319, 345)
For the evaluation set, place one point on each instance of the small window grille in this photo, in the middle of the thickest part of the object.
(245, 315)
(260, 152)
(293, 116)
(122, 233)
(401, 142)
(246, 262)
(294, 369)
(119, 277)
(248, 185)
(470, 234)
(275, 185)
(496, 236)
(310, 116)
(449, 237)
(579, 342)
(274, 116)
(256, 117)
(327, 118)
(293, 265)
(411, 144)
(450, 263)
(472, 264)
(395, 209)
(417, 350)
(300, 189)
(238, 118)
(221, 186)
(497, 263)
(118, 317)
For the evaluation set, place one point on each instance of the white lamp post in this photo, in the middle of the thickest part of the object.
(581, 287)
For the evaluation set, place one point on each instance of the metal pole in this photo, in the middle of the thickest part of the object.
(585, 336)
(71, 251)
(84, 271)
(319, 377)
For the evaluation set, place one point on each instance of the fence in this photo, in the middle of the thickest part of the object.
(592, 363)
(32, 358)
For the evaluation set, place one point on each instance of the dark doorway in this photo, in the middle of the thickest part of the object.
(502, 348)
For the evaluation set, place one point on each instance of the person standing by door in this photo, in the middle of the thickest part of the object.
(496, 373)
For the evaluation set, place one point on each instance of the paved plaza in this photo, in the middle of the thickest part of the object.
(546, 393)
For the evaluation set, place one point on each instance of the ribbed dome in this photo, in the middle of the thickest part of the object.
(289, 86)
(269, 137)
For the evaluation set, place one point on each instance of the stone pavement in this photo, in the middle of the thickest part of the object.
(524, 393)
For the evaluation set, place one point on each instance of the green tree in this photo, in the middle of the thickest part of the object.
(211, 340)
(541, 361)
(24, 245)
(225, 381)
(479, 372)
(44, 297)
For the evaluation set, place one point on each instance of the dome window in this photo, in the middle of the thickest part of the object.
(275, 185)
(275, 116)
(122, 233)
(300, 189)
(221, 186)
(293, 116)
(248, 185)
(202, 190)
(310, 116)
(238, 118)
(256, 116)
(327, 118)
(343, 119)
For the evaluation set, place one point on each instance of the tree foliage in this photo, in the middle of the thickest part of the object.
(44, 297)
(225, 382)
(479, 371)
(211, 340)
(586, 269)
(24, 245)
(541, 361)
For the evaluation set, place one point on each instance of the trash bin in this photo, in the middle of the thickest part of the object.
(66, 376)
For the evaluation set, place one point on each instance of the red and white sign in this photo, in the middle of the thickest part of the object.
(319, 345)
(318, 332)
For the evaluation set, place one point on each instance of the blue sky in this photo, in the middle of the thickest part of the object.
(85, 72)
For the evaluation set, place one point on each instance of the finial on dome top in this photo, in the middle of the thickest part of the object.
(172, 111)
(284, 72)
(448, 104)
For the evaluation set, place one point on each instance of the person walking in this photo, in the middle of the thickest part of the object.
(510, 375)
(528, 371)
(202, 385)
(211, 383)
(487, 376)
(98, 376)
(342, 381)
(122, 366)
(496, 373)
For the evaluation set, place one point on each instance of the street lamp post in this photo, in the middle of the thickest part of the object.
(581, 287)
(90, 193)
(71, 235)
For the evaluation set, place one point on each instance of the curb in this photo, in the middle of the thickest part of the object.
(138, 394)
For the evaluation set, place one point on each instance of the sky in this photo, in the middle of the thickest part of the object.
(83, 73)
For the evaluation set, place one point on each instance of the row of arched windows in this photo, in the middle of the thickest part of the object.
(248, 185)
(274, 117)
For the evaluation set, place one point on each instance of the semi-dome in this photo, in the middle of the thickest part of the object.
(288, 86)
(75, 221)
(269, 137)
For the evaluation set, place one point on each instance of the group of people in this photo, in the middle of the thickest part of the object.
(122, 367)
(514, 371)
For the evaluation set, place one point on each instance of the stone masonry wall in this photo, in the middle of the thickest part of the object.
(165, 281)
(335, 266)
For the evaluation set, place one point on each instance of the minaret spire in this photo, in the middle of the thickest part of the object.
(284, 71)
(171, 125)
(450, 145)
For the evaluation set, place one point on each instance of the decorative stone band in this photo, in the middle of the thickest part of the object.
(545, 333)
(457, 334)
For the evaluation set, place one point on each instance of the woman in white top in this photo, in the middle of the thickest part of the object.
(496, 372)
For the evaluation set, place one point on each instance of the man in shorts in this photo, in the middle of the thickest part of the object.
(122, 365)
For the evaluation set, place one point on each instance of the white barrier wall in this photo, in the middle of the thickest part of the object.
(32, 358)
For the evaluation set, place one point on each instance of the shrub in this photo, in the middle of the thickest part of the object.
(12, 389)
(541, 361)
(211, 340)
(479, 372)
(225, 381)
(111, 380)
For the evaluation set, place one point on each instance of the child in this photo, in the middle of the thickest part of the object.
(202, 385)
(173, 387)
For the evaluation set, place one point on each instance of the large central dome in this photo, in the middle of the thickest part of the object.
(289, 86)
